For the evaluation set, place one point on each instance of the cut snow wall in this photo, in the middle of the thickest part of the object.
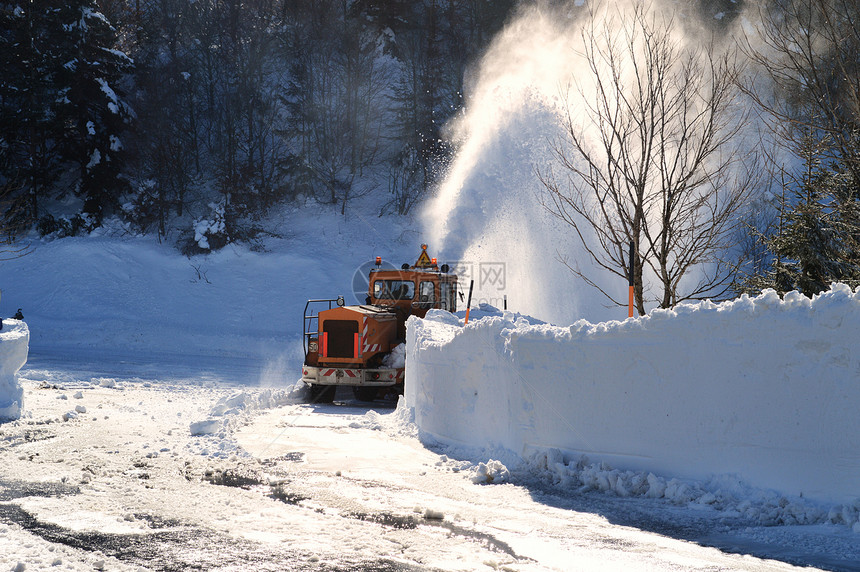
(14, 345)
(762, 388)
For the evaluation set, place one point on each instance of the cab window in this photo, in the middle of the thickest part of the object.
(394, 289)
(426, 293)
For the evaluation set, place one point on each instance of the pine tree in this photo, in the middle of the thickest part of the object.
(92, 106)
(816, 241)
(30, 161)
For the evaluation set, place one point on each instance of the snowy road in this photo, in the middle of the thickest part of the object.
(123, 485)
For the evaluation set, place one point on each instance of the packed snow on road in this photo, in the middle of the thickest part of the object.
(127, 473)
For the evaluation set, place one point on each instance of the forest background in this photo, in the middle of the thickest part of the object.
(191, 120)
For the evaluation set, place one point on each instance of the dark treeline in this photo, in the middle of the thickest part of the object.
(62, 118)
(167, 112)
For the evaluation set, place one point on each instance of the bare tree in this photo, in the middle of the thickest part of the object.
(337, 101)
(648, 158)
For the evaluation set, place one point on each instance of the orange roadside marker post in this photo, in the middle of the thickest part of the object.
(469, 303)
(630, 282)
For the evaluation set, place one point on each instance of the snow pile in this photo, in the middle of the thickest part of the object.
(204, 229)
(399, 423)
(760, 388)
(491, 472)
(229, 411)
(14, 345)
(397, 357)
(727, 494)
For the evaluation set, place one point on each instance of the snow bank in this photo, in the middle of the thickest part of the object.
(761, 389)
(14, 343)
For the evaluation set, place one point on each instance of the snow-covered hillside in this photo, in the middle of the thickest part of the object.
(118, 293)
(136, 303)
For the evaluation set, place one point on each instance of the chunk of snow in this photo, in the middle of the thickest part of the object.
(442, 317)
(118, 54)
(205, 427)
(397, 357)
(95, 159)
(113, 102)
(490, 472)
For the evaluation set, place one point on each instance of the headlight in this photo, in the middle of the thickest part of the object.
(313, 347)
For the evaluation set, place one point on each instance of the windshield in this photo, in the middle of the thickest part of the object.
(394, 289)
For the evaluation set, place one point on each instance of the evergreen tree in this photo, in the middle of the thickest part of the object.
(30, 161)
(816, 241)
(92, 106)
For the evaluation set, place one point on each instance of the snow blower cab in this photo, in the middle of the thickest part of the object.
(364, 346)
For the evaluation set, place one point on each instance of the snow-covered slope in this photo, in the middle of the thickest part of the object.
(759, 388)
(131, 294)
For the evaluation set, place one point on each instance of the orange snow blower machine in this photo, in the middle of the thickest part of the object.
(364, 346)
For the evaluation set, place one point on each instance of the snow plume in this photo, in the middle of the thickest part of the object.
(488, 213)
(279, 370)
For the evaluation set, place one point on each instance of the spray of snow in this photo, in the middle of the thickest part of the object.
(488, 213)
